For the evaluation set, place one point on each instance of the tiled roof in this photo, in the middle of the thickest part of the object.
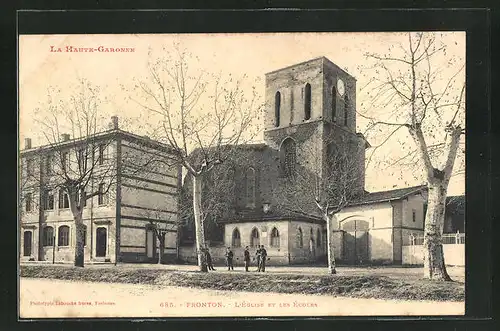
(100, 135)
(383, 196)
(256, 214)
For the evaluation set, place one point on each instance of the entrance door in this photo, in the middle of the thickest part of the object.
(150, 243)
(27, 243)
(349, 255)
(361, 247)
(356, 242)
(101, 242)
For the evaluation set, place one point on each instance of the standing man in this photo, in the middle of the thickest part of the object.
(258, 257)
(208, 258)
(247, 258)
(229, 259)
(263, 257)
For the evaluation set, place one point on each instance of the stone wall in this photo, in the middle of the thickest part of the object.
(454, 254)
(288, 251)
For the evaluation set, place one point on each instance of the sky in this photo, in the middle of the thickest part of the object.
(252, 55)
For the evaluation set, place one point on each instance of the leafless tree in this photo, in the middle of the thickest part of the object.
(196, 110)
(76, 162)
(161, 227)
(420, 88)
(218, 195)
(316, 191)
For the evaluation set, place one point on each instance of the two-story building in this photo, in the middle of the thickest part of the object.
(138, 186)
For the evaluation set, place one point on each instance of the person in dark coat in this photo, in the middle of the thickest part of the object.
(229, 259)
(263, 258)
(247, 258)
(208, 258)
(258, 257)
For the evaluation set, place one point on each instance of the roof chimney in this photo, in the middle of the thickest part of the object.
(114, 123)
(27, 143)
(64, 137)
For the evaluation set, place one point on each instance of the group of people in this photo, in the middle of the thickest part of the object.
(260, 256)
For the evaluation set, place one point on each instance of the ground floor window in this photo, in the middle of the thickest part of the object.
(300, 238)
(63, 235)
(48, 236)
(275, 238)
(236, 240)
(254, 239)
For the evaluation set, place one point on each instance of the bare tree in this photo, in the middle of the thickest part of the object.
(218, 197)
(160, 229)
(163, 222)
(172, 92)
(318, 191)
(75, 163)
(417, 86)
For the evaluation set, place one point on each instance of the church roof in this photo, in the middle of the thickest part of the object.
(257, 215)
(391, 195)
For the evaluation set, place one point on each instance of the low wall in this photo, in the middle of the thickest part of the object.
(454, 254)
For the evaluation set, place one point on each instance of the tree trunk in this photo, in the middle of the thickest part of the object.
(330, 248)
(79, 248)
(161, 240)
(160, 252)
(434, 264)
(198, 222)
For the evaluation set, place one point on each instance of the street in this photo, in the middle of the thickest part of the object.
(43, 298)
(409, 273)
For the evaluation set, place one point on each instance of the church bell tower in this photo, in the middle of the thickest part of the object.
(310, 109)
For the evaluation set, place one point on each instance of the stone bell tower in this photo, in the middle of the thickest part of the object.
(311, 109)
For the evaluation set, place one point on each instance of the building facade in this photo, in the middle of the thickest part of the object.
(311, 114)
(138, 192)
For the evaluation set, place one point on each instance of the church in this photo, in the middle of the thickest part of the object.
(311, 106)
(310, 117)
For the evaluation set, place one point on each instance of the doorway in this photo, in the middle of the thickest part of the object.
(355, 242)
(27, 243)
(101, 242)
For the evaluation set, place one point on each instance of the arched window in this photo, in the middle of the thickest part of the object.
(250, 186)
(334, 103)
(275, 238)
(318, 238)
(307, 102)
(254, 238)
(346, 109)
(300, 238)
(236, 241)
(277, 108)
(289, 157)
(48, 236)
(63, 235)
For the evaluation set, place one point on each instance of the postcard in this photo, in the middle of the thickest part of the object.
(241, 175)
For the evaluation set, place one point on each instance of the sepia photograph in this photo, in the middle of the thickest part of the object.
(241, 174)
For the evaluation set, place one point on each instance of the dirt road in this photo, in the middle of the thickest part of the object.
(42, 298)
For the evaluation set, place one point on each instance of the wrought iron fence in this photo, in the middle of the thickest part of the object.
(449, 238)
